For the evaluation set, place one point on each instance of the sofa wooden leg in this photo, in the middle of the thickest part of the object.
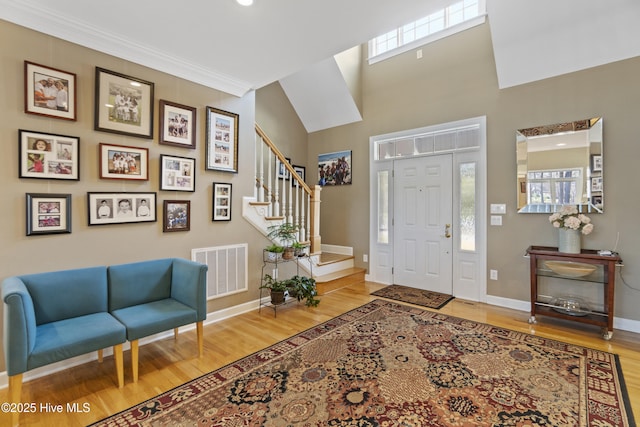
(199, 330)
(15, 391)
(117, 356)
(100, 355)
(134, 360)
(175, 333)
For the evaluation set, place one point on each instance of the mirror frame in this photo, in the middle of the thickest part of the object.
(592, 171)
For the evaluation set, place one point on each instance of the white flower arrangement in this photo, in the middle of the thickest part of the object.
(568, 217)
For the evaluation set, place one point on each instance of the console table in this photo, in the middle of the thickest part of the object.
(588, 266)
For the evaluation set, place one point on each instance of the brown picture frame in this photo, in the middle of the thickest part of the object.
(123, 104)
(176, 215)
(222, 140)
(49, 92)
(177, 124)
(124, 162)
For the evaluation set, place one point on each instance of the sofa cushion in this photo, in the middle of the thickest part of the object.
(66, 294)
(158, 316)
(139, 283)
(67, 338)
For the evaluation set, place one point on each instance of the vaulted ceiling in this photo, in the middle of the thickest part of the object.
(236, 49)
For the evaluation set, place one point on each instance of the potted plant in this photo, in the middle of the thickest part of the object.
(300, 249)
(305, 288)
(276, 287)
(273, 251)
(286, 234)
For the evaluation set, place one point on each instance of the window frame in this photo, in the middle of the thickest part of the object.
(430, 38)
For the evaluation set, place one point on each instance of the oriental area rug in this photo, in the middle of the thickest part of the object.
(387, 364)
(414, 296)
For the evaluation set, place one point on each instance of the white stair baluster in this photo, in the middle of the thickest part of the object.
(275, 210)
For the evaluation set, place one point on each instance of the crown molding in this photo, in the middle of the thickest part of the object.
(47, 21)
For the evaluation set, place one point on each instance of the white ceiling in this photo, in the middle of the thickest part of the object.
(235, 49)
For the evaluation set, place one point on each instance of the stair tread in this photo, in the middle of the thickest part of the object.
(338, 274)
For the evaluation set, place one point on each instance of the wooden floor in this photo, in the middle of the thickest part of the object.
(169, 363)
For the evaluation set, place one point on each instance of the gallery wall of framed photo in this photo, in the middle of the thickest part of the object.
(109, 170)
(123, 105)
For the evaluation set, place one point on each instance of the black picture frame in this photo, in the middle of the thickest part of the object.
(221, 201)
(283, 172)
(123, 104)
(112, 208)
(302, 173)
(48, 156)
(222, 140)
(177, 173)
(48, 213)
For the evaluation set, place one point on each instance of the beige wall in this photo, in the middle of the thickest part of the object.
(111, 244)
(456, 79)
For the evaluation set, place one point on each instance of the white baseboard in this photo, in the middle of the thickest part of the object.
(618, 322)
(213, 317)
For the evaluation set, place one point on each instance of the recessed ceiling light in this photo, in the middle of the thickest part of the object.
(245, 2)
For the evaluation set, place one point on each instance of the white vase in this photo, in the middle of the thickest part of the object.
(569, 241)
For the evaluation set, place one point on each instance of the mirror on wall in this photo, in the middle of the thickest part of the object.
(560, 164)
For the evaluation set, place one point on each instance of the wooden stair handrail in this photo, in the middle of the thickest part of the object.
(283, 160)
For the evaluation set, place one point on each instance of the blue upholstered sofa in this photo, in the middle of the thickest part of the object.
(49, 317)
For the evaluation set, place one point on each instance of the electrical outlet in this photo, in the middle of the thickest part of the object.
(365, 258)
(493, 274)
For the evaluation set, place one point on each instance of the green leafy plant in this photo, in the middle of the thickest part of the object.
(286, 234)
(304, 289)
(275, 248)
(274, 285)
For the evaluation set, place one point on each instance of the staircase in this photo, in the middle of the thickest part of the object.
(282, 196)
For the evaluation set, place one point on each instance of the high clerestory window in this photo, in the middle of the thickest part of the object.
(457, 17)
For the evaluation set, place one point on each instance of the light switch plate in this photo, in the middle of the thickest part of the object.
(496, 220)
(498, 208)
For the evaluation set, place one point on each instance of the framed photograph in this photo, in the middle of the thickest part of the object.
(596, 163)
(48, 156)
(222, 140)
(49, 92)
(596, 201)
(123, 162)
(177, 173)
(48, 213)
(177, 214)
(283, 172)
(596, 184)
(177, 125)
(301, 171)
(334, 168)
(221, 201)
(119, 208)
(123, 104)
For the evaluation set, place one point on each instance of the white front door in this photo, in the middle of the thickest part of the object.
(423, 256)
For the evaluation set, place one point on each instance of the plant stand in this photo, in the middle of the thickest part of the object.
(268, 261)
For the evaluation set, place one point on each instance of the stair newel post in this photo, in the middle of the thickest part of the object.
(314, 214)
(275, 205)
(260, 168)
